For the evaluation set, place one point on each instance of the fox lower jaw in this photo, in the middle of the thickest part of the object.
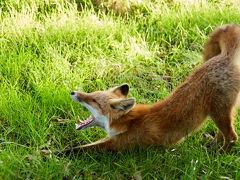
(100, 121)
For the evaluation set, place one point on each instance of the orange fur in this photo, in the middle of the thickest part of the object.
(211, 89)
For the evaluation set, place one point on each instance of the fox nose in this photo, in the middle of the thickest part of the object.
(72, 93)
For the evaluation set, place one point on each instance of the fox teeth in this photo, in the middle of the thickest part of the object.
(76, 125)
(81, 124)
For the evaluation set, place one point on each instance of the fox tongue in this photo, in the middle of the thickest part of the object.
(84, 123)
(79, 120)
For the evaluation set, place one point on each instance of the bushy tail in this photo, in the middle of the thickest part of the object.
(223, 40)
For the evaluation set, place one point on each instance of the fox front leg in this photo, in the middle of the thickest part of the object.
(106, 144)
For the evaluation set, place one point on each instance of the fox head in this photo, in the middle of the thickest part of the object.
(105, 106)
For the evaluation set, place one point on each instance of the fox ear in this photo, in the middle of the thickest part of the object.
(123, 105)
(122, 90)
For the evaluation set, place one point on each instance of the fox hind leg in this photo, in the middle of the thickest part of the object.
(224, 121)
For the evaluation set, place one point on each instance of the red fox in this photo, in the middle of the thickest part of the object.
(212, 89)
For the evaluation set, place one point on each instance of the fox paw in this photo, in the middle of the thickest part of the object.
(45, 151)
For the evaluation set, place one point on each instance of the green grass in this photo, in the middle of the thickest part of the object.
(48, 48)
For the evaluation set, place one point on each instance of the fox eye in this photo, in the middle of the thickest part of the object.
(94, 100)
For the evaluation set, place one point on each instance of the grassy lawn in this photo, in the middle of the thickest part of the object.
(50, 47)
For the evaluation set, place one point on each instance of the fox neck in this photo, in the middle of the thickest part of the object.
(103, 122)
(123, 124)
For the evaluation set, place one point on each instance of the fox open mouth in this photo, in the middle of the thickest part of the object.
(82, 124)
